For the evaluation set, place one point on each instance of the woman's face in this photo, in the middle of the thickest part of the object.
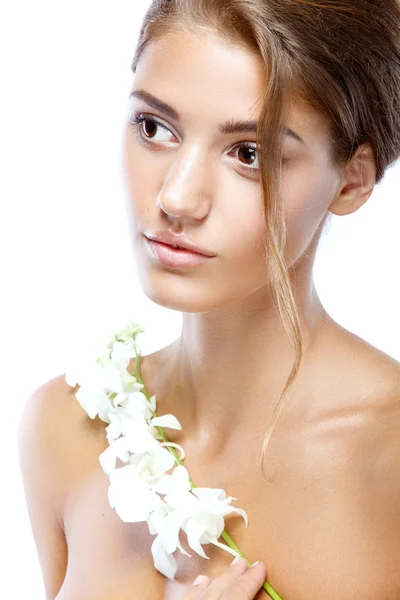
(185, 173)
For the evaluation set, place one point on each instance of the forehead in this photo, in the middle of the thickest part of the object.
(205, 77)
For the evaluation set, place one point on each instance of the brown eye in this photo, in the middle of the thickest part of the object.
(149, 127)
(248, 154)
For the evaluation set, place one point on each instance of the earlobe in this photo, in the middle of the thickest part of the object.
(358, 182)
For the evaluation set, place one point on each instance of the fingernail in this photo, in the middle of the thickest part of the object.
(256, 563)
(199, 579)
(235, 560)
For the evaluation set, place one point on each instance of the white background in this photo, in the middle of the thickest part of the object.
(66, 265)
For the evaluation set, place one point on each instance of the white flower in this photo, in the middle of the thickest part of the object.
(139, 437)
(104, 377)
(131, 496)
(115, 376)
(125, 409)
(198, 512)
(109, 391)
(127, 334)
(153, 466)
(91, 394)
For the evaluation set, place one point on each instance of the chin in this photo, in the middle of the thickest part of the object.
(176, 300)
(183, 291)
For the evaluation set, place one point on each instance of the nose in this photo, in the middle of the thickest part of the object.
(187, 187)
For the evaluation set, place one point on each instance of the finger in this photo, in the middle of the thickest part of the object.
(223, 581)
(198, 587)
(247, 585)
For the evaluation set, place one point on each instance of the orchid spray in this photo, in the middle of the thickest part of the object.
(145, 489)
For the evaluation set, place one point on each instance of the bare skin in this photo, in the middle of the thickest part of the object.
(326, 522)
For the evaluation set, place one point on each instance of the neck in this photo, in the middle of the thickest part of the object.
(227, 371)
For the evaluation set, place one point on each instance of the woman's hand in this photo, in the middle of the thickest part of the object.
(237, 582)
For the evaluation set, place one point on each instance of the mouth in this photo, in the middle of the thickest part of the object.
(179, 241)
(181, 248)
(175, 256)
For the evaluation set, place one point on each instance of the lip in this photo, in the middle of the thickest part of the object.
(173, 257)
(178, 239)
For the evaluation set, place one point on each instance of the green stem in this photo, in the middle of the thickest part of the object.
(272, 593)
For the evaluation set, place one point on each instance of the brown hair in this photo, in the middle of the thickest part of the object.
(340, 57)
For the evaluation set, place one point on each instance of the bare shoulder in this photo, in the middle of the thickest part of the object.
(361, 372)
(47, 424)
(379, 444)
(51, 428)
(365, 383)
(58, 448)
(373, 378)
(379, 376)
(46, 416)
(59, 443)
(57, 434)
(353, 427)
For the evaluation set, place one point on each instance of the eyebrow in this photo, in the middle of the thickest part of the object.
(226, 128)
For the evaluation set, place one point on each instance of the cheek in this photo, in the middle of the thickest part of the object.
(243, 225)
(307, 194)
(138, 180)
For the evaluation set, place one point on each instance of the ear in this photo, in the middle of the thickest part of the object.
(358, 182)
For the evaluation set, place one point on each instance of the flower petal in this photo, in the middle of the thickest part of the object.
(163, 562)
(241, 512)
(156, 518)
(180, 479)
(87, 398)
(120, 354)
(119, 398)
(194, 531)
(153, 402)
(161, 484)
(130, 495)
(140, 436)
(224, 547)
(114, 428)
(72, 376)
(107, 460)
(169, 531)
(137, 405)
(103, 416)
(166, 421)
(208, 495)
(112, 378)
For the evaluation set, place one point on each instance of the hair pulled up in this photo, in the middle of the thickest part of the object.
(340, 57)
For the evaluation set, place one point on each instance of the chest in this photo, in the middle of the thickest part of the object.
(310, 522)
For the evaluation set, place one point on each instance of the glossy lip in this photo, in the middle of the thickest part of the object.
(178, 239)
(174, 257)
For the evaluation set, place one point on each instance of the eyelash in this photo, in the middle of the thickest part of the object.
(136, 120)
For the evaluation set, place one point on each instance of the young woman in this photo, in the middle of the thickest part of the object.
(250, 122)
